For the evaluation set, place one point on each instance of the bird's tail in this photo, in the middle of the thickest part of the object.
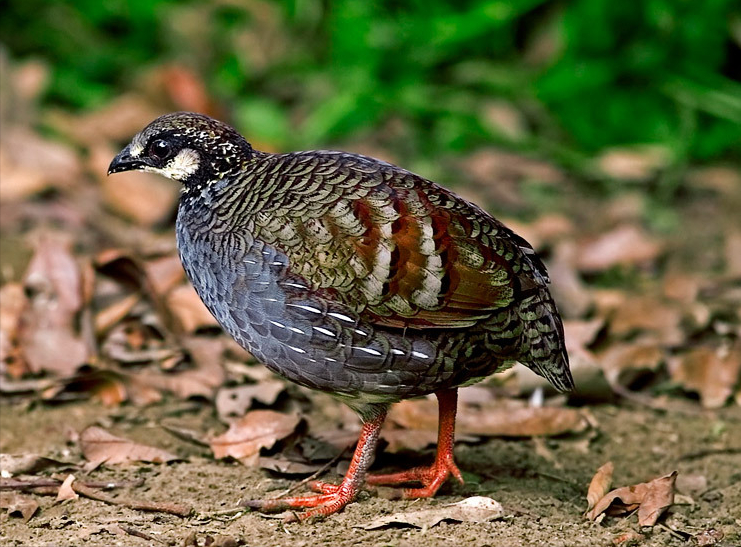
(543, 343)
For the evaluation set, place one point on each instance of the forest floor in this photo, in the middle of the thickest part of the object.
(541, 488)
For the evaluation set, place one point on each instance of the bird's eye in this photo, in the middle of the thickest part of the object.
(159, 149)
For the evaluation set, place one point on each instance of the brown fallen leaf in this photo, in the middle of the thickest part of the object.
(407, 439)
(108, 386)
(233, 402)
(12, 303)
(17, 464)
(164, 273)
(712, 372)
(621, 362)
(285, 466)
(650, 498)
(202, 380)
(255, 430)
(475, 509)
(18, 504)
(30, 164)
(66, 492)
(187, 307)
(600, 484)
(659, 498)
(99, 446)
(492, 419)
(568, 287)
(625, 245)
(648, 313)
(114, 313)
(47, 335)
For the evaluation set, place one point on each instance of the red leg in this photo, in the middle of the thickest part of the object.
(332, 498)
(434, 476)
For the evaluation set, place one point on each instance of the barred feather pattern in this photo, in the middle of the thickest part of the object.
(353, 276)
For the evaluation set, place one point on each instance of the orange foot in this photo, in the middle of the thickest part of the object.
(322, 505)
(331, 498)
(432, 477)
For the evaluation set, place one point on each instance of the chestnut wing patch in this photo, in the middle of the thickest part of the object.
(439, 269)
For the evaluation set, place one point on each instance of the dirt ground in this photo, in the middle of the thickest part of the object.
(542, 490)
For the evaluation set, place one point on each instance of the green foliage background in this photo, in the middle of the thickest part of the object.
(584, 74)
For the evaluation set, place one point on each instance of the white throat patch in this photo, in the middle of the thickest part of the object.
(181, 166)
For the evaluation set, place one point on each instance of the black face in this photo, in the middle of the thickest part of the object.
(191, 148)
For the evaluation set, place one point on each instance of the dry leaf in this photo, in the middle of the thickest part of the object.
(16, 464)
(18, 504)
(187, 307)
(600, 484)
(476, 509)
(648, 313)
(650, 498)
(621, 361)
(12, 303)
(110, 387)
(713, 372)
(626, 245)
(573, 296)
(255, 430)
(233, 402)
(202, 380)
(66, 491)
(29, 164)
(99, 446)
(284, 466)
(659, 498)
(492, 419)
(113, 314)
(164, 273)
(47, 335)
(407, 439)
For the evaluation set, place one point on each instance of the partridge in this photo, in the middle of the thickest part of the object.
(355, 277)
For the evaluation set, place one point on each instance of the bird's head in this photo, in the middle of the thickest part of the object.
(190, 148)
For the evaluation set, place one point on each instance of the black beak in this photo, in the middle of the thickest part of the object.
(124, 162)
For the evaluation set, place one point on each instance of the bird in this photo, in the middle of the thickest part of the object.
(352, 276)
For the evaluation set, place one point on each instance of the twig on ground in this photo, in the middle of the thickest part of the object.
(153, 506)
(43, 484)
(137, 533)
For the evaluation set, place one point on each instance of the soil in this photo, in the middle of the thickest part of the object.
(541, 485)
